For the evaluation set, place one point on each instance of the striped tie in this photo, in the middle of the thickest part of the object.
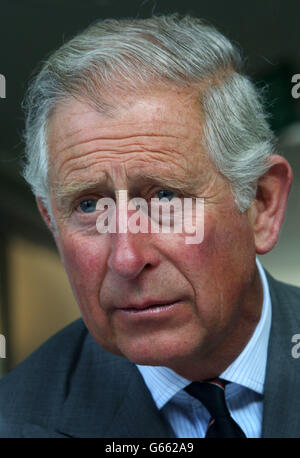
(212, 395)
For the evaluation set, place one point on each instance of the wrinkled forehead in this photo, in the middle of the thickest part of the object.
(155, 127)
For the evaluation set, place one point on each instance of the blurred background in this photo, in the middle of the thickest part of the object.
(35, 297)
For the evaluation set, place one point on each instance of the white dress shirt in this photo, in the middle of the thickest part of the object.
(244, 396)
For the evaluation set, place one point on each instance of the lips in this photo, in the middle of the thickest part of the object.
(147, 305)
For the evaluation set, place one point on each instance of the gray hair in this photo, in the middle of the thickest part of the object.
(133, 54)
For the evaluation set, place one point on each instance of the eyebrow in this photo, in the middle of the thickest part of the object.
(73, 188)
(67, 192)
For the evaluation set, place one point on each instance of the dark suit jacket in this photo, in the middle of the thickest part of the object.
(70, 387)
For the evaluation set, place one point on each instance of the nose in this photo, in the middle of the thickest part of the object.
(130, 252)
(129, 255)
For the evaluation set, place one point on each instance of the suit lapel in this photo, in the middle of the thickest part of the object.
(108, 398)
(281, 415)
(137, 415)
(32, 431)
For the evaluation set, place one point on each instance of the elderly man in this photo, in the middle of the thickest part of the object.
(177, 339)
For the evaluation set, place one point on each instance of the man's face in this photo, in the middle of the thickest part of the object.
(151, 145)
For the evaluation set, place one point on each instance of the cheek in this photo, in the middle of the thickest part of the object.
(84, 261)
(225, 252)
(227, 235)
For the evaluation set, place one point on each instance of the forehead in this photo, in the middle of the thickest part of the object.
(154, 129)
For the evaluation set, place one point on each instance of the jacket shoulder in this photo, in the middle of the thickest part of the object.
(281, 388)
(63, 379)
(67, 339)
(24, 391)
(285, 294)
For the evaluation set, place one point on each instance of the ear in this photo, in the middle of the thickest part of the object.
(268, 210)
(47, 218)
(45, 214)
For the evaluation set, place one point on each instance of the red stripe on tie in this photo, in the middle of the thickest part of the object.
(217, 383)
(211, 420)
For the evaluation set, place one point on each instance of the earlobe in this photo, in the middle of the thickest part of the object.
(269, 207)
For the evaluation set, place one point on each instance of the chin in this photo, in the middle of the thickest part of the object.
(160, 355)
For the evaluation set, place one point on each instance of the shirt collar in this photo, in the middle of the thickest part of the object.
(248, 369)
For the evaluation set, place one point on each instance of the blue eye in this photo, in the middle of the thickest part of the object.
(164, 193)
(88, 206)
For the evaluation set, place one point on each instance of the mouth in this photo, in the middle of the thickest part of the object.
(149, 307)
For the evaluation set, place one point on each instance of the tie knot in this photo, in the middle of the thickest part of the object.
(212, 395)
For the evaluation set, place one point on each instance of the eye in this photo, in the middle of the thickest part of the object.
(88, 206)
(166, 194)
